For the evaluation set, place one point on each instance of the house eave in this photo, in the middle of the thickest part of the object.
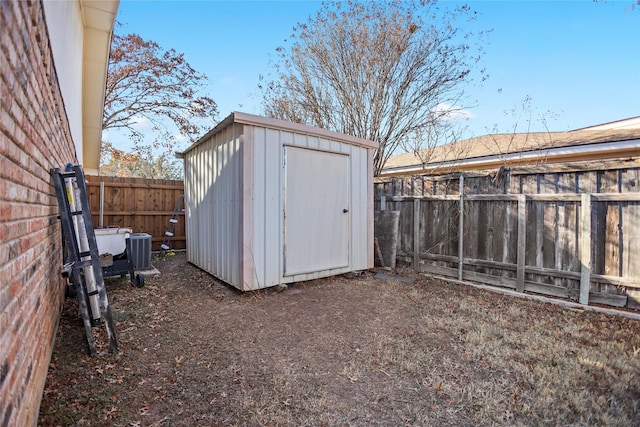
(607, 150)
(98, 18)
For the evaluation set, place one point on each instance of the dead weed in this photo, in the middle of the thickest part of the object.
(341, 351)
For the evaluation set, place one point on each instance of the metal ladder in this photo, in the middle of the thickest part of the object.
(172, 224)
(82, 261)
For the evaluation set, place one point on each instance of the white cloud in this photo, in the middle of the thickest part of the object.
(178, 137)
(228, 80)
(141, 123)
(454, 113)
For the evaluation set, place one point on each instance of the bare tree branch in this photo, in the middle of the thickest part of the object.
(375, 70)
(144, 81)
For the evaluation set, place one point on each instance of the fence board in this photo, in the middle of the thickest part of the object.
(522, 242)
(560, 232)
(489, 279)
(631, 233)
(612, 242)
(416, 234)
(542, 288)
(545, 256)
(141, 204)
(631, 249)
(461, 235)
(439, 270)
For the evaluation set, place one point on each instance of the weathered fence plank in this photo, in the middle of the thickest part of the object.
(385, 224)
(556, 235)
(144, 205)
(416, 234)
(461, 228)
(522, 241)
(585, 248)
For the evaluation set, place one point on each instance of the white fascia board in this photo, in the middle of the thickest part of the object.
(546, 155)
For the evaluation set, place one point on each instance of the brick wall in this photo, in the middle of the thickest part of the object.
(34, 137)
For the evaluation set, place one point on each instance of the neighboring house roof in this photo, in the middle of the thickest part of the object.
(631, 123)
(492, 151)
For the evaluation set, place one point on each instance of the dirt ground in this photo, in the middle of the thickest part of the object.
(341, 351)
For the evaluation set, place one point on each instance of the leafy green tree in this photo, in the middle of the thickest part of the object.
(387, 71)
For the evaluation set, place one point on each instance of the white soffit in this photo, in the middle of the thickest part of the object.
(98, 18)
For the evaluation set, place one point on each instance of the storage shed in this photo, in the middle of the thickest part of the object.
(270, 202)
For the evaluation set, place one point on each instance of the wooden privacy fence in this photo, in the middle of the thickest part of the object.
(581, 246)
(144, 205)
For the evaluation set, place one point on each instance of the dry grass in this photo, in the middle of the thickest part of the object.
(343, 352)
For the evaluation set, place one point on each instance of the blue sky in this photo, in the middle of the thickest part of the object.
(579, 60)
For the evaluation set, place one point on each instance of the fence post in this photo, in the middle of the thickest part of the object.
(101, 212)
(522, 241)
(461, 229)
(416, 234)
(585, 247)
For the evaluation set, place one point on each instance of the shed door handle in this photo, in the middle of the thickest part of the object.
(345, 210)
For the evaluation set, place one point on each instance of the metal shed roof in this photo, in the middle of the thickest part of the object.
(271, 123)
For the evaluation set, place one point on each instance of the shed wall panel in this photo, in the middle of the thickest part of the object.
(258, 218)
(272, 208)
(248, 278)
(213, 205)
(358, 208)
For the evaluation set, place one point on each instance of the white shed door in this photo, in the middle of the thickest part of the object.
(316, 211)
